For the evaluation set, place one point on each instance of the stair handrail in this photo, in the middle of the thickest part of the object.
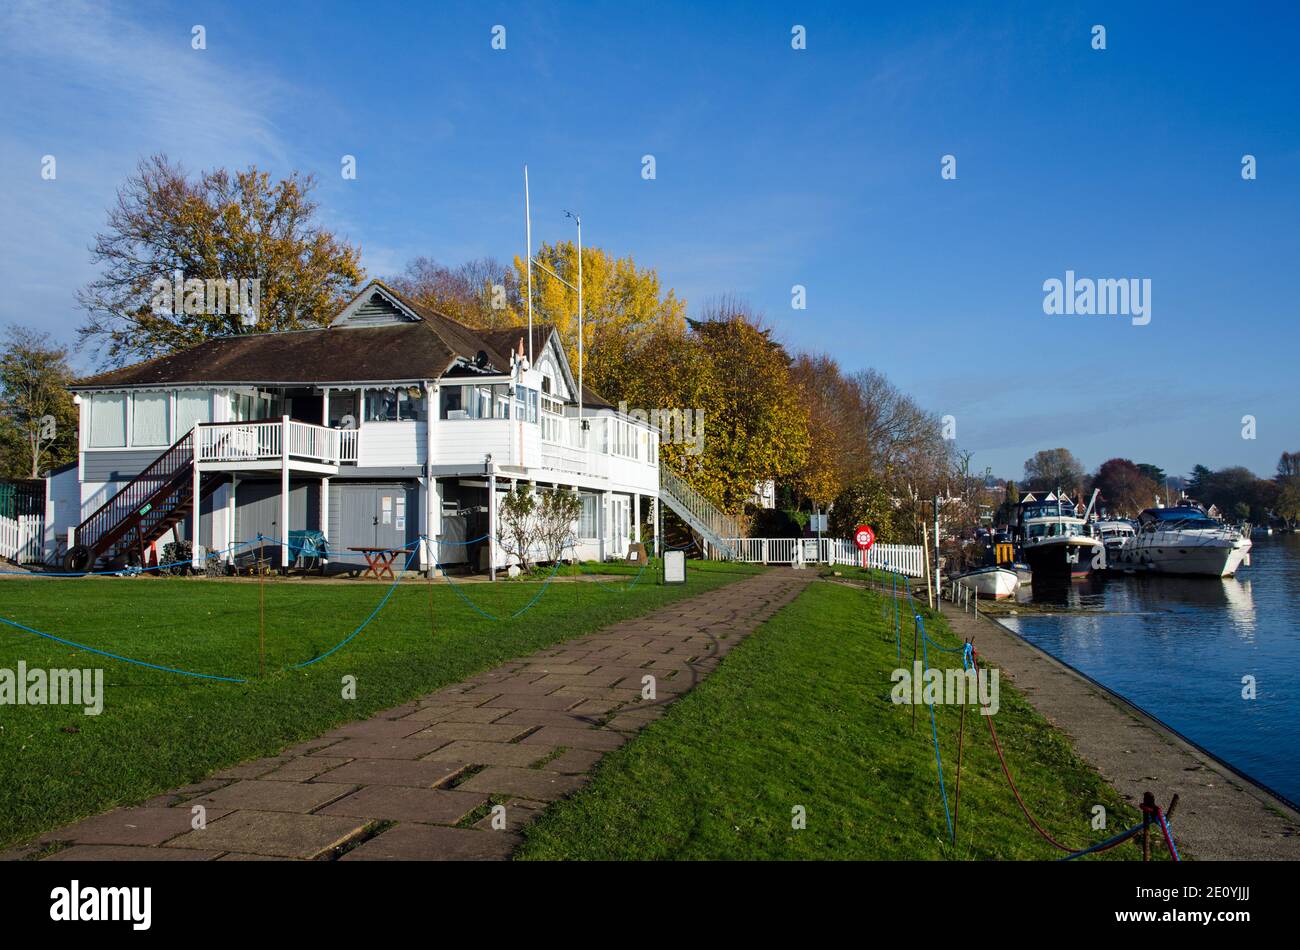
(160, 471)
(708, 519)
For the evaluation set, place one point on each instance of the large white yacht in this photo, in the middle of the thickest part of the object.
(1185, 540)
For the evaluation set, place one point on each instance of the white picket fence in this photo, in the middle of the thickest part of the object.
(906, 559)
(22, 539)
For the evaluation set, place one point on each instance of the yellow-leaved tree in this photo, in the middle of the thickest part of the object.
(623, 306)
(735, 381)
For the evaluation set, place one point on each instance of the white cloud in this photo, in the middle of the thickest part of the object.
(99, 92)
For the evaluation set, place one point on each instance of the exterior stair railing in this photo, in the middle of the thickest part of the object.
(699, 513)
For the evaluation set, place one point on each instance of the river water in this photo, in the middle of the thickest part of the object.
(1180, 647)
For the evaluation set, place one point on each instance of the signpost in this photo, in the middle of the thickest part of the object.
(864, 537)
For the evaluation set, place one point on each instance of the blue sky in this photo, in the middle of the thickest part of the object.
(775, 167)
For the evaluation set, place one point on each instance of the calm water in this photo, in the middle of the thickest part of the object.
(1179, 647)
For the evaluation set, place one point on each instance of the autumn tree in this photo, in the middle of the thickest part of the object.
(835, 422)
(624, 306)
(898, 438)
(481, 293)
(1053, 469)
(219, 226)
(729, 374)
(868, 500)
(38, 420)
(1124, 486)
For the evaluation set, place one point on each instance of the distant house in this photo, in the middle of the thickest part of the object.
(391, 423)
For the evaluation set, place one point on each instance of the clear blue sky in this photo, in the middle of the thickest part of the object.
(775, 167)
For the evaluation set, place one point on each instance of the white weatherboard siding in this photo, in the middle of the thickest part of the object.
(467, 441)
(392, 443)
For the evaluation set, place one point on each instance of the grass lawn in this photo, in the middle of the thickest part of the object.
(800, 715)
(159, 730)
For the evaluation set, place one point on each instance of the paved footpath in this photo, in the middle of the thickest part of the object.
(419, 782)
(1220, 815)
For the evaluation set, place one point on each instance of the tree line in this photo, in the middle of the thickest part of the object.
(1127, 487)
(823, 434)
(828, 437)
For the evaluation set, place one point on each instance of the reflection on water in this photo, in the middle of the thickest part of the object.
(1179, 647)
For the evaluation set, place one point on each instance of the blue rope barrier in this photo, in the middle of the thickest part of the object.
(1103, 844)
(612, 587)
(127, 571)
(380, 606)
(934, 734)
(124, 659)
(528, 606)
(263, 539)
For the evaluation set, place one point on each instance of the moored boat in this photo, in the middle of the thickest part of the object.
(1185, 540)
(1114, 535)
(1057, 542)
(995, 583)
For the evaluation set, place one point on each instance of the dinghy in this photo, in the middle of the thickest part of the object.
(996, 583)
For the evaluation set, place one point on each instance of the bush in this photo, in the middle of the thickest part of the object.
(778, 523)
(866, 501)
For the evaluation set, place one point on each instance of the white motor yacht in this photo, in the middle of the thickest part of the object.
(1185, 540)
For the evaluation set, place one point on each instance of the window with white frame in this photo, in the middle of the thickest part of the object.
(405, 404)
(151, 419)
(192, 407)
(588, 524)
(108, 421)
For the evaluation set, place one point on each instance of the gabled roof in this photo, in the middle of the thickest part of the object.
(420, 344)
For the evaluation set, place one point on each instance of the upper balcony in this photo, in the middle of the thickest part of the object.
(239, 446)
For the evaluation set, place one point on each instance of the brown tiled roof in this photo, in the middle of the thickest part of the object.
(397, 352)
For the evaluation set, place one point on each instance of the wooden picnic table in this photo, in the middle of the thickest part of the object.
(379, 561)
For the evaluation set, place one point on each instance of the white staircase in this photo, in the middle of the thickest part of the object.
(698, 512)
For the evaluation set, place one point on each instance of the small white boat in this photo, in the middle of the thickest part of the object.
(996, 583)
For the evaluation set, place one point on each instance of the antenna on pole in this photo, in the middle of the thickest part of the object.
(578, 219)
(528, 238)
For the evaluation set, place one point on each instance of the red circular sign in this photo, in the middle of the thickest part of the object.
(864, 537)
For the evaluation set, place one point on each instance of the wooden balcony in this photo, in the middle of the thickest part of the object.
(245, 446)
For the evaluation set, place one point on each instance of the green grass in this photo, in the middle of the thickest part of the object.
(800, 715)
(872, 574)
(159, 730)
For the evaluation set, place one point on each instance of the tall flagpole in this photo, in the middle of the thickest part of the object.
(528, 232)
(580, 333)
(578, 220)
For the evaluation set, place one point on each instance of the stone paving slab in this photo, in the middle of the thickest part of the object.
(425, 780)
(272, 833)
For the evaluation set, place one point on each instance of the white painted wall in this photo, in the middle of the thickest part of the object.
(393, 443)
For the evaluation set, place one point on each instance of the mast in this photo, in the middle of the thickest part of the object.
(528, 238)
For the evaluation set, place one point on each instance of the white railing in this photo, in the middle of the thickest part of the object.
(563, 459)
(696, 510)
(349, 444)
(906, 559)
(262, 441)
(22, 539)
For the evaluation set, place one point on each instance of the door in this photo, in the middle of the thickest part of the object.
(620, 511)
(374, 516)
